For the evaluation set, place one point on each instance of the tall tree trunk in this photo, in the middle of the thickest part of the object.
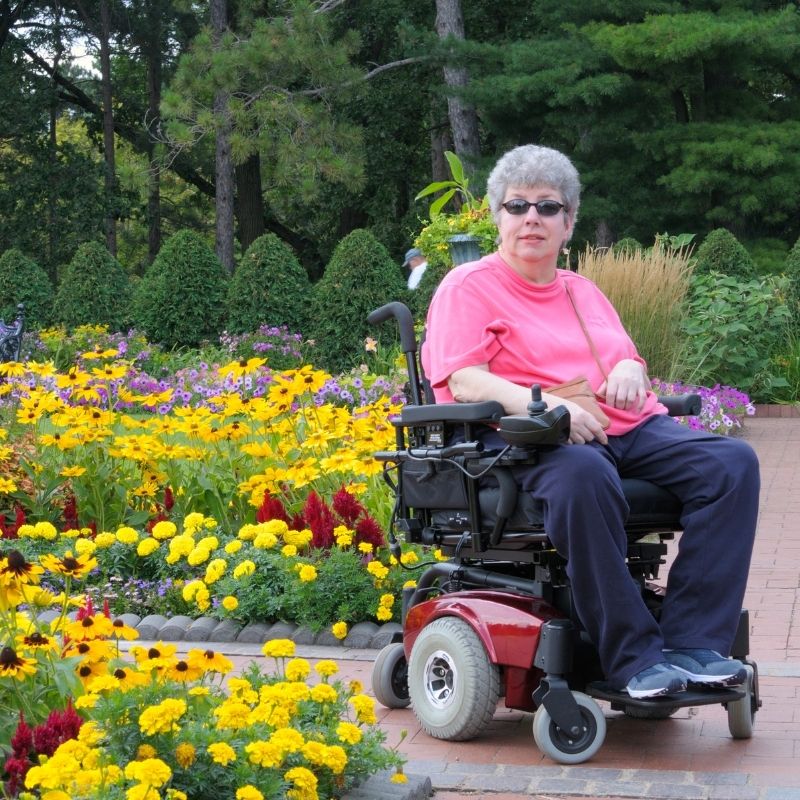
(52, 154)
(223, 160)
(153, 106)
(108, 128)
(463, 118)
(249, 201)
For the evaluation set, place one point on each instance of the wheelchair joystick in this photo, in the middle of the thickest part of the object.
(537, 405)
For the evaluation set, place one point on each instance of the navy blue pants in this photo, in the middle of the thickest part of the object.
(717, 480)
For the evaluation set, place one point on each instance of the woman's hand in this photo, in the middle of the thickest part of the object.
(583, 426)
(627, 386)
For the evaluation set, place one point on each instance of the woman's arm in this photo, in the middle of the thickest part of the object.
(475, 384)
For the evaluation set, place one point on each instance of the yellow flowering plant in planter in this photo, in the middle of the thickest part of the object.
(169, 727)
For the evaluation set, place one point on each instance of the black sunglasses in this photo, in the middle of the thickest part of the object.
(544, 208)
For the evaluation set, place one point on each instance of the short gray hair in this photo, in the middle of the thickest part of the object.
(533, 165)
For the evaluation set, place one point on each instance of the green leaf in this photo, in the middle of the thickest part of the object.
(436, 186)
(456, 167)
(440, 202)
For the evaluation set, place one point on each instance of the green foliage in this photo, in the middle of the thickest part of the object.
(458, 186)
(627, 245)
(360, 277)
(433, 241)
(722, 252)
(792, 272)
(93, 289)
(22, 280)
(732, 329)
(268, 287)
(180, 301)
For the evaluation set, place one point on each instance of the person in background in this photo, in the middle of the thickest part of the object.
(416, 263)
(497, 326)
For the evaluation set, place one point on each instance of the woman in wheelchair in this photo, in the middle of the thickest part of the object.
(512, 319)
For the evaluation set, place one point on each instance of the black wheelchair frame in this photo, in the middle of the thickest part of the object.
(496, 618)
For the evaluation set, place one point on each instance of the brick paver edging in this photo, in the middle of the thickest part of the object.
(155, 627)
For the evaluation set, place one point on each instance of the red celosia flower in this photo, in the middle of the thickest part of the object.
(320, 519)
(20, 519)
(59, 727)
(22, 740)
(368, 530)
(169, 498)
(86, 610)
(271, 508)
(297, 522)
(347, 507)
(16, 767)
(70, 513)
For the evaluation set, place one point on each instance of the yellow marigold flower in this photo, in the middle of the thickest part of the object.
(232, 715)
(230, 603)
(176, 794)
(45, 530)
(298, 669)
(365, 709)
(289, 550)
(193, 522)
(305, 783)
(278, 648)
(246, 567)
(248, 792)
(409, 557)
(387, 600)
(265, 540)
(324, 693)
(85, 547)
(383, 614)
(234, 546)
(90, 733)
(221, 753)
(348, 733)
(126, 535)
(147, 547)
(164, 529)
(377, 570)
(86, 701)
(215, 570)
(365, 547)
(190, 590)
(151, 771)
(326, 667)
(339, 629)
(410, 585)
(264, 754)
(198, 556)
(185, 754)
(145, 751)
(161, 718)
(307, 573)
(399, 777)
(103, 540)
(335, 759)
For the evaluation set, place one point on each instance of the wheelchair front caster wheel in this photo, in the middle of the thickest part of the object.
(390, 677)
(566, 748)
(742, 712)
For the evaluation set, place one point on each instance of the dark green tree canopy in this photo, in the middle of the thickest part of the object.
(22, 280)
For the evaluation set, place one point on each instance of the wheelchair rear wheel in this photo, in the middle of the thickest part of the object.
(454, 687)
(390, 677)
(563, 747)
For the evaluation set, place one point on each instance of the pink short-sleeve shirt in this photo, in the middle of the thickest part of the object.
(485, 313)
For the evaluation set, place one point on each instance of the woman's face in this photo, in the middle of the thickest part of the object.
(529, 242)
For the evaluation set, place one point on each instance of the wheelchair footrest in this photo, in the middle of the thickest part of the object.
(621, 700)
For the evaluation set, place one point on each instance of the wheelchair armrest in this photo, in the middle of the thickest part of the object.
(681, 405)
(487, 411)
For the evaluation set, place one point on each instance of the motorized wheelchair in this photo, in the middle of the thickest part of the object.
(496, 617)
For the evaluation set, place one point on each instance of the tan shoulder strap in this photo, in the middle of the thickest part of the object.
(585, 330)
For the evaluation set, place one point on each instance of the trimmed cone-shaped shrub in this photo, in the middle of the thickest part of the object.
(359, 278)
(626, 245)
(792, 271)
(722, 252)
(180, 301)
(269, 287)
(94, 289)
(22, 280)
